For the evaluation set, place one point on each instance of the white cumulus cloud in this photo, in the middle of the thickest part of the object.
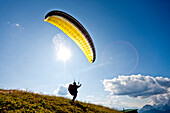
(146, 89)
(160, 99)
(137, 85)
(62, 90)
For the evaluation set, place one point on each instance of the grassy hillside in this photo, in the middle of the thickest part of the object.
(22, 101)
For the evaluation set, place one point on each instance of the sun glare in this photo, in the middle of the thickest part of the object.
(64, 54)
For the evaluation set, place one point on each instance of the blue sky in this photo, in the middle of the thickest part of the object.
(131, 39)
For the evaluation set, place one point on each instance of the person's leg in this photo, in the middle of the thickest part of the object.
(75, 95)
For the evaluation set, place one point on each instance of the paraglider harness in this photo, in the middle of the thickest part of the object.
(70, 89)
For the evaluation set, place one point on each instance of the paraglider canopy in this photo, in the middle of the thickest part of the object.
(75, 30)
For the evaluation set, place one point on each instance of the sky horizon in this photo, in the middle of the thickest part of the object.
(131, 38)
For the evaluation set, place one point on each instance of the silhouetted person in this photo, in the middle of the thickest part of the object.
(75, 87)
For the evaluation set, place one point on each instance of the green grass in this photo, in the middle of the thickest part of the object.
(22, 101)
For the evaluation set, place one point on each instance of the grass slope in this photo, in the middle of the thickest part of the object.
(22, 101)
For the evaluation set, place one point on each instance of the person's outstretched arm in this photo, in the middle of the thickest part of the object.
(79, 86)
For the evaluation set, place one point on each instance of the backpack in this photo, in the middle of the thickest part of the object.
(70, 89)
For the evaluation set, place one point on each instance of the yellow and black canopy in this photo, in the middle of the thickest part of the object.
(70, 26)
